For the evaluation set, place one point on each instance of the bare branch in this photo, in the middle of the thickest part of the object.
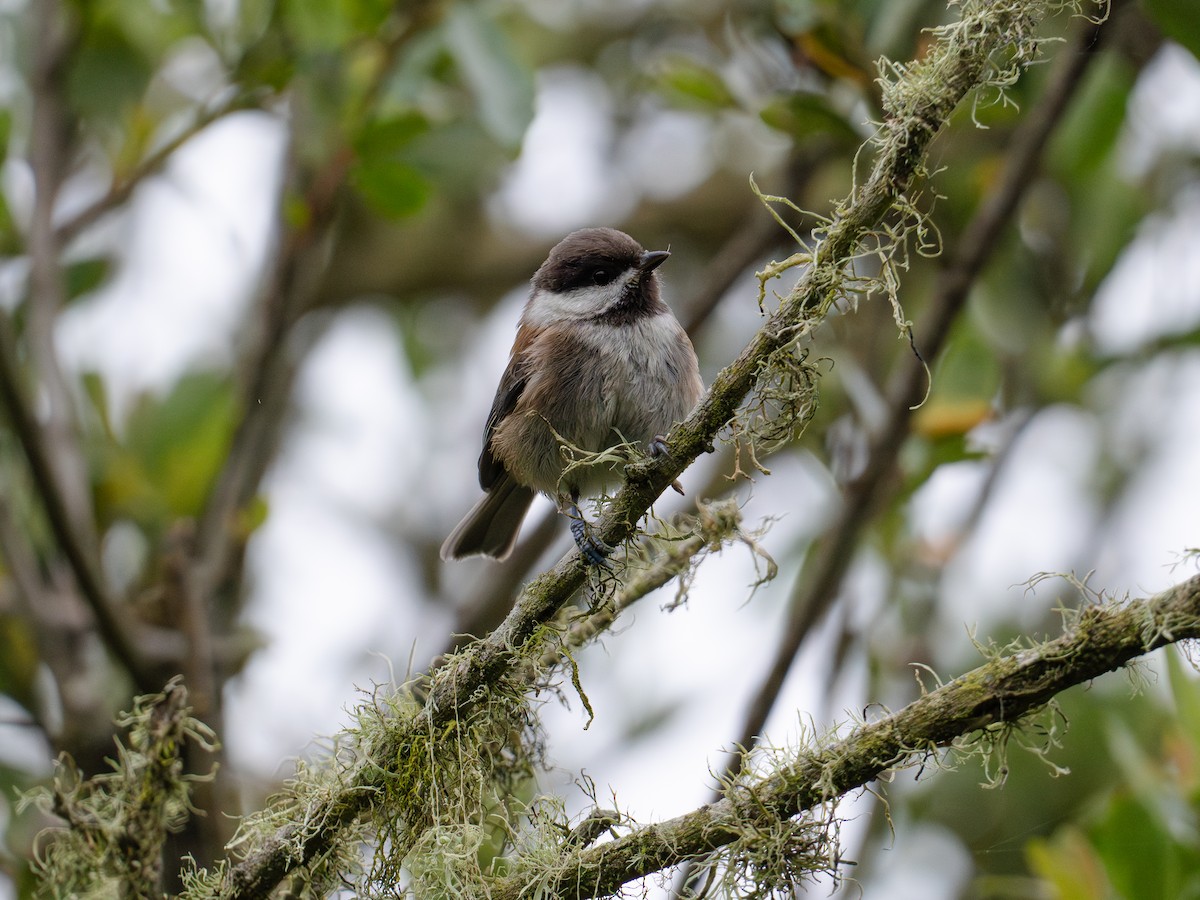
(273, 354)
(114, 628)
(49, 152)
(123, 186)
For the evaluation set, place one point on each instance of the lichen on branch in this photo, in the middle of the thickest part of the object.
(115, 823)
(379, 775)
(973, 714)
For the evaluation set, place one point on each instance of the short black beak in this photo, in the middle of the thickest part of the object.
(652, 259)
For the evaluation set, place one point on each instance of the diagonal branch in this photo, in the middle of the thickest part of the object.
(272, 356)
(123, 185)
(919, 106)
(114, 628)
(995, 695)
(269, 367)
(50, 147)
(822, 579)
(747, 243)
(51, 445)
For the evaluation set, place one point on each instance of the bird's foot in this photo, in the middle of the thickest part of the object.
(594, 550)
(658, 447)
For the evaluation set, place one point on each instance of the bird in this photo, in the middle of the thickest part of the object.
(599, 360)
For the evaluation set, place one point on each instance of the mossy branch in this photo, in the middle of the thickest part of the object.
(986, 46)
(714, 525)
(116, 822)
(986, 700)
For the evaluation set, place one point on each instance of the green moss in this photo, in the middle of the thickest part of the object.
(115, 823)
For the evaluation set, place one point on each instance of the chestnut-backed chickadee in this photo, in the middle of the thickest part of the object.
(599, 360)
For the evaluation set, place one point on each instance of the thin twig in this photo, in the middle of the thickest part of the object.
(114, 628)
(51, 445)
(49, 153)
(123, 186)
(273, 356)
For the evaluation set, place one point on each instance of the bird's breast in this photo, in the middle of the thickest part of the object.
(596, 385)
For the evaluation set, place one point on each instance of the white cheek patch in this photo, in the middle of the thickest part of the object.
(546, 308)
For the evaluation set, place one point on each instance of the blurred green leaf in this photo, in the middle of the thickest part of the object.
(1144, 836)
(967, 371)
(1032, 802)
(1105, 222)
(1084, 153)
(366, 16)
(686, 81)
(267, 62)
(18, 659)
(96, 392)
(1008, 307)
(152, 27)
(85, 276)
(1178, 19)
(806, 115)
(417, 76)
(501, 85)
(317, 26)
(382, 138)
(459, 157)
(1185, 692)
(1069, 864)
(393, 189)
(252, 516)
(1141, 856)
(1088, 132)
(124, 489)
(1064, 376)
(177, 443)
(108, 73)
(392, 186)
(10, 242)
(256, 19)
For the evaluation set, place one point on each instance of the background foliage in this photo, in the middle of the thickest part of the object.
(261, 264)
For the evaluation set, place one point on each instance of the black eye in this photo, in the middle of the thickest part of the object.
(602, 276)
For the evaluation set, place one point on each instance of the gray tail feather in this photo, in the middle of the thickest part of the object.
(491, 527)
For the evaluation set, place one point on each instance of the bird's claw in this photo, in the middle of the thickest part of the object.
(658, 447)
(594, 550)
